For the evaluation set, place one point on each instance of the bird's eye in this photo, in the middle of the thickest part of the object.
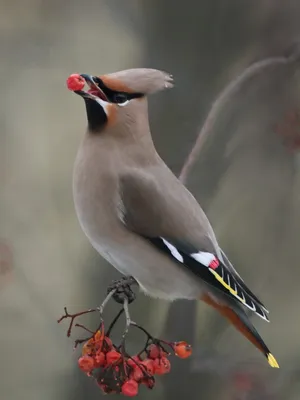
(121, 99)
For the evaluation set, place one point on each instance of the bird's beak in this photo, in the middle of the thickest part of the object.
(94, 92)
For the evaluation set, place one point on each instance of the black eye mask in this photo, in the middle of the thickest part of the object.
(114, 96)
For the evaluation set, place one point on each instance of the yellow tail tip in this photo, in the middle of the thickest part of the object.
(272, 361)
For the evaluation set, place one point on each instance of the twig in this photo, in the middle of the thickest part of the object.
(84, 327)
(225, 97)
(101, 324)
(73, 317)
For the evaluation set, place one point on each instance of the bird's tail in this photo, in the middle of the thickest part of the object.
(240, 320)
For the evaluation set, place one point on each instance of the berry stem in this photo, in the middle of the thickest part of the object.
(80, 341)
(114, 321)
(84, 327)
(100, 328)
(150, 337)
(166, 343)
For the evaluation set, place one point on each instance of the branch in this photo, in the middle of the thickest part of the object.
(73, 317)
(226, 96)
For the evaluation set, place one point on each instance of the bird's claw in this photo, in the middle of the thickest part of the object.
(123, 289)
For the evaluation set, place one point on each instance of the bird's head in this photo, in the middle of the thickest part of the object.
(120, 97)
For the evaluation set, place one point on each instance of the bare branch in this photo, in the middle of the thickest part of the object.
(73, 317)
(225, 97)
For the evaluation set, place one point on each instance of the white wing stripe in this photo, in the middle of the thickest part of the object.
(203, 257)
(175, 253)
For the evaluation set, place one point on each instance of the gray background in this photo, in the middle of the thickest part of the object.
(245, 177)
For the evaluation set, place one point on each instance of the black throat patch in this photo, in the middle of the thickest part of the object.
(96, 116)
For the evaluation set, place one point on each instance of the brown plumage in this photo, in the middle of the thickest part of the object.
(139, 216)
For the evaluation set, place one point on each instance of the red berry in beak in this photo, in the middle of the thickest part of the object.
(75, 82)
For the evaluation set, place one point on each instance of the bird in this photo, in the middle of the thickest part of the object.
(139, 216)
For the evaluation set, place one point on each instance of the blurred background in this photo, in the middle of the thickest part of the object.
(246, 176)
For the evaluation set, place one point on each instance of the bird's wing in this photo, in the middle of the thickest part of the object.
(213, 271)
(169, 220)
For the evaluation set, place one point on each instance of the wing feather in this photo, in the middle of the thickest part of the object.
(218, 276)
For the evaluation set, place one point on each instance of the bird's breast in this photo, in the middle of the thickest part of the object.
(95, 192)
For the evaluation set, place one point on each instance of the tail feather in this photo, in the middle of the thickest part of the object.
(240, 320)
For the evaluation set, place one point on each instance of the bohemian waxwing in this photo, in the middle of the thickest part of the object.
(139, 216)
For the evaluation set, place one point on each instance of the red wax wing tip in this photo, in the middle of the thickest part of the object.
(75, 82)
(214, 264)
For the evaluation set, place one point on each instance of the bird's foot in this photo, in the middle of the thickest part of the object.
(122, 288)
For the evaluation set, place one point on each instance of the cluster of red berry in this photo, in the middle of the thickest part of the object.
(115, 371)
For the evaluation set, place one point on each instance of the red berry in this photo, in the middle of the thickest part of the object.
(113, 357)
(182, 349)
(134, 362)
(137, 374)
(154, 351)
(148, 364)
(161, 366)
(86, 364)
(131, 363)
(75, 82)
(99, 359)
(130, 388)
(149, 382)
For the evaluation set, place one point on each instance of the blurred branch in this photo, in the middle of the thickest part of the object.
(226, 96)
(127, 13)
